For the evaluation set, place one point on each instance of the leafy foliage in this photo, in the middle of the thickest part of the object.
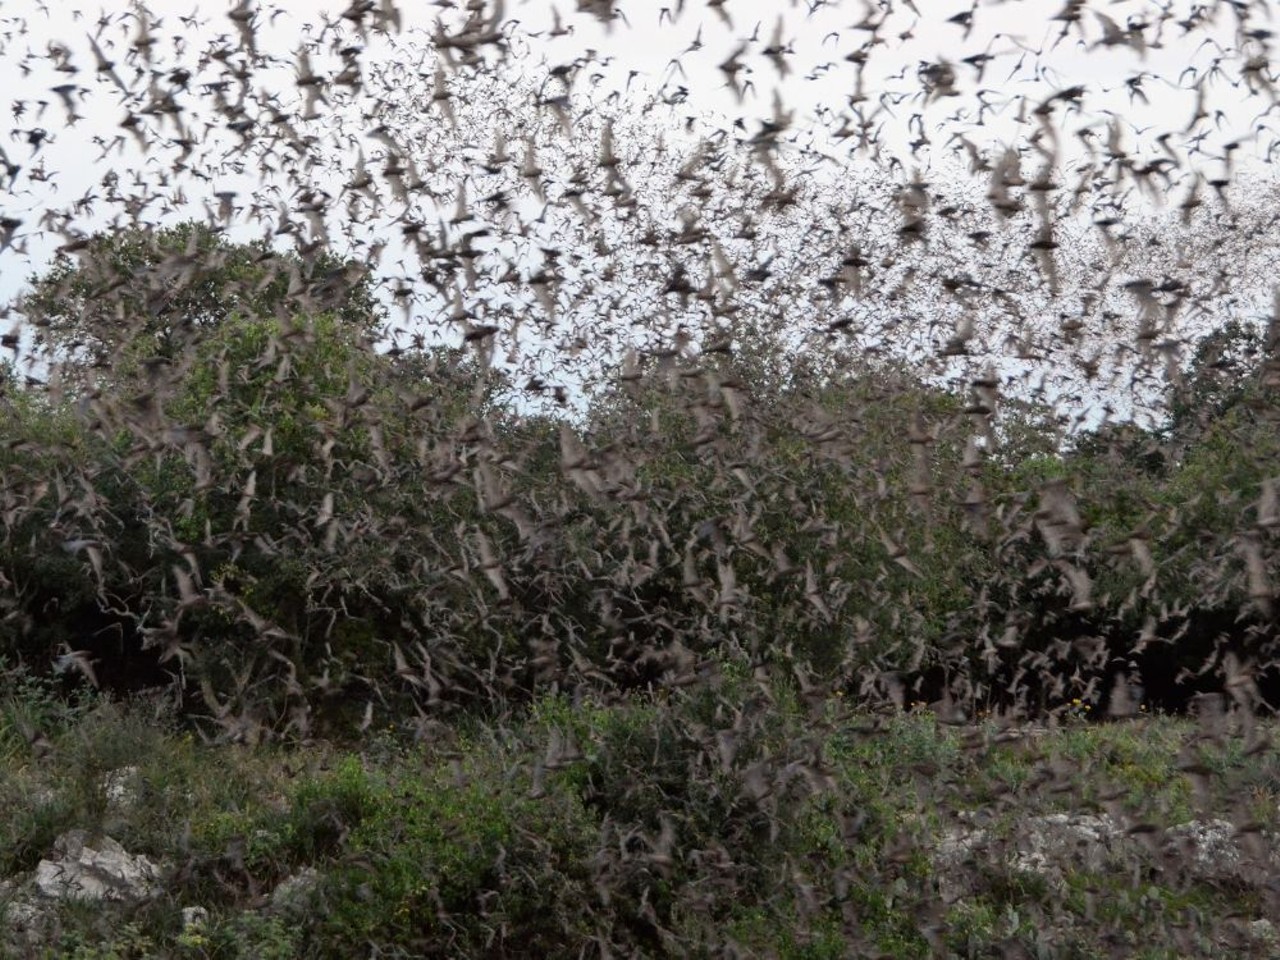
(734, 550)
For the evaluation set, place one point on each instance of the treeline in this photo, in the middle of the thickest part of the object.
(215, 474)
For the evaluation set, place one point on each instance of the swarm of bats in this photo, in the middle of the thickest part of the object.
(985, 219)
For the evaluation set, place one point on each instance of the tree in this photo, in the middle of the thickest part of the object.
(1225, 372)
(133, 298)
(247, 493)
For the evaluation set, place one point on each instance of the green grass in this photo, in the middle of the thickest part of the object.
(462, 849)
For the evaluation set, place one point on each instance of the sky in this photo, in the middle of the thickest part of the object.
(670, 55)
(668, 61)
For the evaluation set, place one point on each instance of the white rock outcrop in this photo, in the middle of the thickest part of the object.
(81, 867)
(95, 869)
(1050, 846)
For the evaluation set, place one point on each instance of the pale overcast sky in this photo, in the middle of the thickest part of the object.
(655, 49)
(670, 59)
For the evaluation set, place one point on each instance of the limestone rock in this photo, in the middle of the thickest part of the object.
(95, 869)
(293, 895)
(121, 787)
(1053, 845)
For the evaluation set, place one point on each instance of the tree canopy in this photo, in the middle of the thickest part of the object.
(129, 299)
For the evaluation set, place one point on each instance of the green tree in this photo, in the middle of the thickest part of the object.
(132, 298)
(1226, 371)
(262, 495)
